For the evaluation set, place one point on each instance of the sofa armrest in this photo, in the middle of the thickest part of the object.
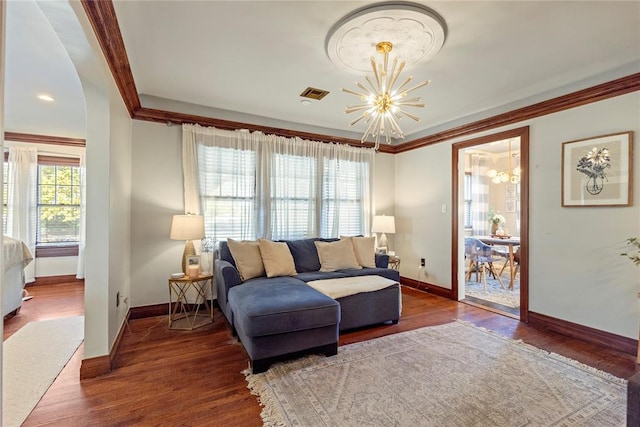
(382, 260)
(226, 278)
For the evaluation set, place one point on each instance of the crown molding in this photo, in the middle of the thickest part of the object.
(575, 99)
(44, 139)
(103, 19)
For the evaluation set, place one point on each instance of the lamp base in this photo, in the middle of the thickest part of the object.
(383, 241)
(189, 250)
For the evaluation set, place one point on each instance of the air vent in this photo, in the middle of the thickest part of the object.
(313, 93)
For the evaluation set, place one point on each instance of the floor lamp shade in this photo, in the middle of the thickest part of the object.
(383, 224)
(187, 227)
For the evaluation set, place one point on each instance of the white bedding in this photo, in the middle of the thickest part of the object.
(16, 256)
(15, 252)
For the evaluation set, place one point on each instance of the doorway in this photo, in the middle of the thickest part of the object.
(490, 222)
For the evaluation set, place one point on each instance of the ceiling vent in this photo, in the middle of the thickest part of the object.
(313, 93)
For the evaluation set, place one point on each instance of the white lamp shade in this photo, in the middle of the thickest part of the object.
(383, 224)
(187, 227)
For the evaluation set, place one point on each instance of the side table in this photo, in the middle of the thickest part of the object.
(394, 262)
(189, 307)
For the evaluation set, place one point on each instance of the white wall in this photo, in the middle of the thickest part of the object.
(157, 195)
(576, 272)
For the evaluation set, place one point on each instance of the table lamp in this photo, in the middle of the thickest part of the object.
(187, 227)
(383, 224)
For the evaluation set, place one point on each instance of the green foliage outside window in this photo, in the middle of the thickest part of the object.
(58, 204)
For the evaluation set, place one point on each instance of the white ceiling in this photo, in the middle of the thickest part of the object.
(256, 57)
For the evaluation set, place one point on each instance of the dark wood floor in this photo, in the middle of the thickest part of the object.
(170, 378)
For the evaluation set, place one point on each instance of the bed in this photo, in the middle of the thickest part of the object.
(16, 257)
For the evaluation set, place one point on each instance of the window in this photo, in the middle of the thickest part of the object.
(228, 191)
(290, 194)
(342, 193)
(293, 182)
(58, 208)
(467, 201)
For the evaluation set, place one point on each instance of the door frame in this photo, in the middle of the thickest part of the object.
(523, 134)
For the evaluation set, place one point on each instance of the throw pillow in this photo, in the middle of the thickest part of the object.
(247, 256)
(337, 255)
(277, 258)
(365, 250)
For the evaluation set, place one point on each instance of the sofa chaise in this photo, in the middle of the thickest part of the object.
(284, 312)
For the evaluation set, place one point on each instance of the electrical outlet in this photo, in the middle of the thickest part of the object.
(117, 299)
(422, 262)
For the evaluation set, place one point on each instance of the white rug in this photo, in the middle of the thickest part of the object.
(495, 293)
(450, 375)
(32, 359)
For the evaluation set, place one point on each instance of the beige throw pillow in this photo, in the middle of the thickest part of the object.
(337, 255)
(365, 250)
(247, 256)
(277, 258)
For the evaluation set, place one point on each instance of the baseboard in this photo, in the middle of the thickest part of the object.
(428, 287)
(103, 365)
(149, 311)
(55, 280)
(95, 367)
(157, 310)
(584, 333)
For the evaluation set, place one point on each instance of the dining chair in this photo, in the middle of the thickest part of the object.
(516, 261)
(481, 258)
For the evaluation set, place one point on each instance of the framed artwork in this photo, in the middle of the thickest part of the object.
(193, 260)
(511, 205)
(511, 191)
(598, 171)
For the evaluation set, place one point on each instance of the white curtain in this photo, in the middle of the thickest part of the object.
(479, 195)
(83, 216)
(22, 178)
(255, 185)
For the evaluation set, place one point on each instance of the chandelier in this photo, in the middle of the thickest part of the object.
(382, 104)
(510, 175)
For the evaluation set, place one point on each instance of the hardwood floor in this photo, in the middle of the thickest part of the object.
(194, 378)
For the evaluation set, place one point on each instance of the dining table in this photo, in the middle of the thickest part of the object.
(510, 242)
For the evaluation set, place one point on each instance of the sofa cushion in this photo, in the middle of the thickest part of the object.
(248, 260)
(276, 258)
(337, 255)
(305, 254)
(279, 305)
(321, 275)
(384, 272)
(365, 250)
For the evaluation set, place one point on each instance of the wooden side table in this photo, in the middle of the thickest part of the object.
(394, 262)
(189, 307)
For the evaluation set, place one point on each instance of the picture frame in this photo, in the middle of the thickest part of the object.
(511, 191)
(193, 260)
(511, 206)
(598, 171)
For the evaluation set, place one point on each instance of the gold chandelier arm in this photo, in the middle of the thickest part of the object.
(411, 116)
(365, 89)
(353, 108)
(373, 88)
(395, 126)
(406, 82)
(362, 116)
(418, 86)
(375, 71)
(396, 75)
(411, 104)
(352, 92)
(370, 128)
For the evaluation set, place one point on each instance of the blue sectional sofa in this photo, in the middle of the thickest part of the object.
(280, 317)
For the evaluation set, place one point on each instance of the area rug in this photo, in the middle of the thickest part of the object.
(494, 292)
(32, 359)
(454, 374)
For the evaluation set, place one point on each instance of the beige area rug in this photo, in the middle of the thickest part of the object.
(32, 359)
(449, 375)
(494, 292)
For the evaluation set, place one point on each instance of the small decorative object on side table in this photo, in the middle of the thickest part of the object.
(394, 262)
(189, 307)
